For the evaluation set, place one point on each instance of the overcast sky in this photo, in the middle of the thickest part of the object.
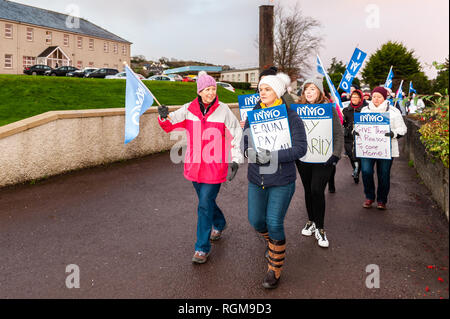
(224, 31)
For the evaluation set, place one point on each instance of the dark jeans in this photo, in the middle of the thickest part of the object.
(384, 178)
(315, 178)
(209, 214)
(267, 208)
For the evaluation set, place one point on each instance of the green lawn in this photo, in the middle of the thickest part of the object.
(24, 96)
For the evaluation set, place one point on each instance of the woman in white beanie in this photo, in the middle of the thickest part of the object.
(269, 195)
(315, 176)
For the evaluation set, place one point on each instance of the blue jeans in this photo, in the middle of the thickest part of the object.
(384, 178)
(209, 214)
(268, 207)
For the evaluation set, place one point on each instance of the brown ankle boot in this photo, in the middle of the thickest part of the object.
(277, 254)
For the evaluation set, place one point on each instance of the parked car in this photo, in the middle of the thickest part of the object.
(175, 77)
(160, 78)
(38, 69)
(81, 73)
(123, 75)
(227, 86)
(61, 71)
(188, 79)
(101, 73)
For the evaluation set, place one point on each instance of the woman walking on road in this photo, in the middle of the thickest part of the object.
(379, 104)
(269, 194)
(210, 126)
(357, 103)
(315, 176)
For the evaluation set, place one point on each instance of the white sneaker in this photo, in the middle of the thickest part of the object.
(322, 238)
(309, 229)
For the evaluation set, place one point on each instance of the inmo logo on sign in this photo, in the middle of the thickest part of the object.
(311, 111)
(266, 115)
(251, 100)
(372, 118)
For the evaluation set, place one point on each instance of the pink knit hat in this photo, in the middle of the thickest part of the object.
(204, 80)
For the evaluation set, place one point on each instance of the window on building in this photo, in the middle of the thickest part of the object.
(91, 64)
(116, 66)
(48, 37)
(91, 44)
(252, 77)
(116, 48)
(66, 40)
(8, 31)
(106, 65)
(79, 64)
(80, 42)
(8, 61)
(239, 77)
(29, 61)
(124, 50)
(106, 47)
(30, 34)
(232, 77)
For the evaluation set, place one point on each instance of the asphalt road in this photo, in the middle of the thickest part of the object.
(130, 228)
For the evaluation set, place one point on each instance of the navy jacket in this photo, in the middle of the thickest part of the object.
(286, 171)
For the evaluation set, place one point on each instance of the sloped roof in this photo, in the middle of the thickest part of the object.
(49, 19)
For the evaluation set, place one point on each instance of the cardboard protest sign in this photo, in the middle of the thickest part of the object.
(269, 128)
(371, 141)
(247, 103)
(318, 121)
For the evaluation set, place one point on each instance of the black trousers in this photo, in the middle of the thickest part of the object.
(349, 151)
(315, 178)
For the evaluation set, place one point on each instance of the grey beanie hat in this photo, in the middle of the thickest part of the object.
(317, 81)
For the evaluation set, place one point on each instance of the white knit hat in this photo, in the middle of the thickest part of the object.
(278, 83)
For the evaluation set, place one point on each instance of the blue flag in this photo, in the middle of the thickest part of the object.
(390, 77)
(334, 92)
(137, 100)
(353, 67)
(411, 89)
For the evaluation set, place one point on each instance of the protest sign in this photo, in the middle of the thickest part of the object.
(318, 121)
(247, 103)
(270, 128)
(371, 141)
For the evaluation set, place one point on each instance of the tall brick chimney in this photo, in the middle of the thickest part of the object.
(266, 22)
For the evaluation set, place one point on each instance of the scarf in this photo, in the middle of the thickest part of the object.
(277, 102)
(380, 109)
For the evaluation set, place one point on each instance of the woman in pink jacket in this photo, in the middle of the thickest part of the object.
(213, 132)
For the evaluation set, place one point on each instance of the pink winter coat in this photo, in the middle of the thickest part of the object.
(211, 139)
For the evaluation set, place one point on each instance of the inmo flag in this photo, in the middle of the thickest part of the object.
(390, 77)
(138, 99)
(334, 92)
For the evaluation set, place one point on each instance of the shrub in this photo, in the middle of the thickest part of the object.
(434, 131)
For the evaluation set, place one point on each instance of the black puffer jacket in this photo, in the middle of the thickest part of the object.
(286, 172)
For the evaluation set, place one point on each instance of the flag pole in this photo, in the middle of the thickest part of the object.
(156, 100)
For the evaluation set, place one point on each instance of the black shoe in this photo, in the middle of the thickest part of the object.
(270, 282)
(331, 189)
(356, 179)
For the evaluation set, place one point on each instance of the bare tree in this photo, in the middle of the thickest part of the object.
(296, 41)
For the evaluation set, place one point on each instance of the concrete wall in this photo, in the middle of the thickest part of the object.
(56, 142)
(432, 172)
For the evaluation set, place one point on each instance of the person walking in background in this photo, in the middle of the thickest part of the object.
(269, 195)
(379, 104)
(206, 114)
(316, 175)
(357, 102)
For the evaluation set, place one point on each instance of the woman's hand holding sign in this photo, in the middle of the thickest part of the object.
(260, 157)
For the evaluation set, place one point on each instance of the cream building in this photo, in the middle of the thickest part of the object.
(30, 35)
(247, 75)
